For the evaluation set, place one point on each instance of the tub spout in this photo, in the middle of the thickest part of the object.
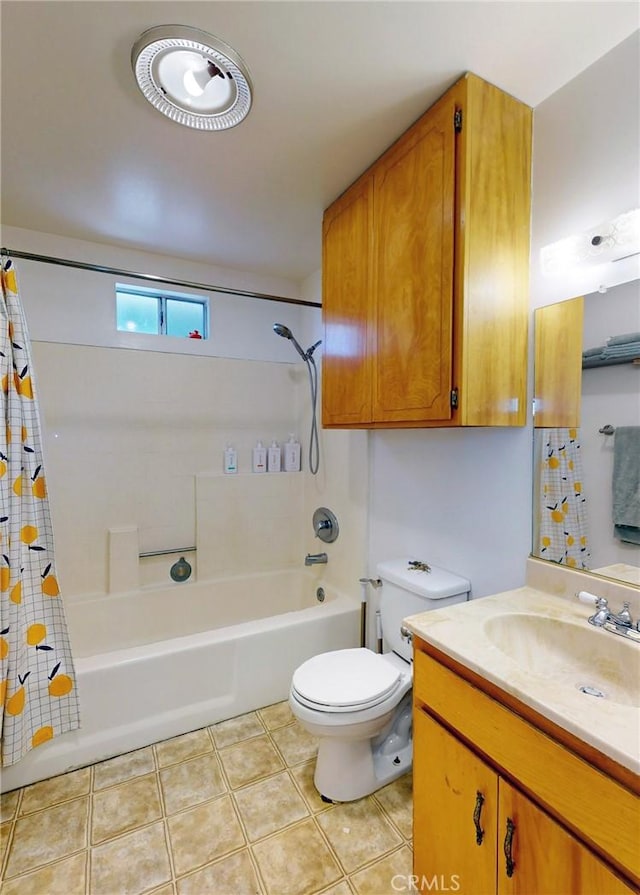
(311, 559)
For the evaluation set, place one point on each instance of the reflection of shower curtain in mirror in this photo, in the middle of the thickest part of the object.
(38, 697)
(563, 518)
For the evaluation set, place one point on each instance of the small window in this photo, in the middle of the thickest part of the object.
(140, 310)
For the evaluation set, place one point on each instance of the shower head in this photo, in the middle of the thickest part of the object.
(281, 330)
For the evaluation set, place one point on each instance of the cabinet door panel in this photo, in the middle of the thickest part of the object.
(494, 256)
(558, 364)
(447, 778)
(414, 237)
(548, 860)
(347, 307)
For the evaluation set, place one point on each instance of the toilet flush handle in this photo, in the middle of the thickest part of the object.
(406, 634)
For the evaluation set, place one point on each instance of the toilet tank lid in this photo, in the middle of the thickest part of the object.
(434, 584)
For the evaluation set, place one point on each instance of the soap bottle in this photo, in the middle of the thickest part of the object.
(292, 455)
(259, 458)
(230, 465)
(274, 463)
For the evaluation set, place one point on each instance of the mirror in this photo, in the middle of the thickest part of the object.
(587, 389)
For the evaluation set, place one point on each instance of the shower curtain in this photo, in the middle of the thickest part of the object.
(38, 696)
(563, 536)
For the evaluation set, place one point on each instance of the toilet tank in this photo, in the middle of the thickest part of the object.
(410, 586)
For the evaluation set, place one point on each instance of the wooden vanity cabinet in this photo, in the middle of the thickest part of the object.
(447, 778)
(475, 775)
(425, 272)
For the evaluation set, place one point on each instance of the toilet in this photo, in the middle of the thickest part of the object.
(357, 702)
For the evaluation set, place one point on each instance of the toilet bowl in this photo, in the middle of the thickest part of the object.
(347, 766)
(357, 702)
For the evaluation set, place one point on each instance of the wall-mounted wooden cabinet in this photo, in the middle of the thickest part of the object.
(425, 272)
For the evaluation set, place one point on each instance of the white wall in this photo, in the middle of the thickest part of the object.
(126, 433)
(457, 499)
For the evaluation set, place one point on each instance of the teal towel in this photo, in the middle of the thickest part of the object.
(601, 361)
(622, 340)
(626, 484)
(607, 355)
(629, 349)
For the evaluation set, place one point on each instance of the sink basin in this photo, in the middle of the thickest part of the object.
(599, 664)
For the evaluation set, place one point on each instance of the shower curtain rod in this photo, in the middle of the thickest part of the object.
(115, 271)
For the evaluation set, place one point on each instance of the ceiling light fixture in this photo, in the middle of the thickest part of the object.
(192, 77)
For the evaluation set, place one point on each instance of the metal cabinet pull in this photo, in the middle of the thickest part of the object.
(476, 817)
(508, 845)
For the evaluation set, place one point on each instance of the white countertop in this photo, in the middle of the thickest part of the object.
(622, 571)
(542, 657)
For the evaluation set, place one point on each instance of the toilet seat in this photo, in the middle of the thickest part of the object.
(347, 680)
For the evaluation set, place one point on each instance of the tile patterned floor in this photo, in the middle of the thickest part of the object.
(227, 810)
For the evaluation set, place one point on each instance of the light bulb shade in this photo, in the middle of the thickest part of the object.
(195, 80)
(192, 77)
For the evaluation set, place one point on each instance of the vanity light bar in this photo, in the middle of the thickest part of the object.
(610, 241)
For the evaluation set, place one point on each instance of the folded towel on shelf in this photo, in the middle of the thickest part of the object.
(622, 340)
(626, 484)
(606, 355)
(629, 349)
(601, 360)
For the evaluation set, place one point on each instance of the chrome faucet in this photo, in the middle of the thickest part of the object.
(603, 614)
(623, 617)
(312, 559)
(618, 623)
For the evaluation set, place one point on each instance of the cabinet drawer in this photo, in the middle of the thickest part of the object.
(601, 811)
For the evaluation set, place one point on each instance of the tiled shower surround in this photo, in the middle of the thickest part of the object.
(227, 810)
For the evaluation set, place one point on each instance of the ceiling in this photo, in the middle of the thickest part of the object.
(83, 154)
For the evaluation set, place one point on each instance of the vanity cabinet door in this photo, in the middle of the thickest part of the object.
(455, 814)
(546, 858)
(475, 834)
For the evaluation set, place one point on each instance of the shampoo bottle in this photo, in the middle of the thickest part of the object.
(230, 465)
(259, 458)
(292, 455)
(273, 458)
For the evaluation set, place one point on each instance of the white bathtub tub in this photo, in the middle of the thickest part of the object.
(156, 663)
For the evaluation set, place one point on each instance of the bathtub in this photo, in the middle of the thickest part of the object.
(159, 662)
